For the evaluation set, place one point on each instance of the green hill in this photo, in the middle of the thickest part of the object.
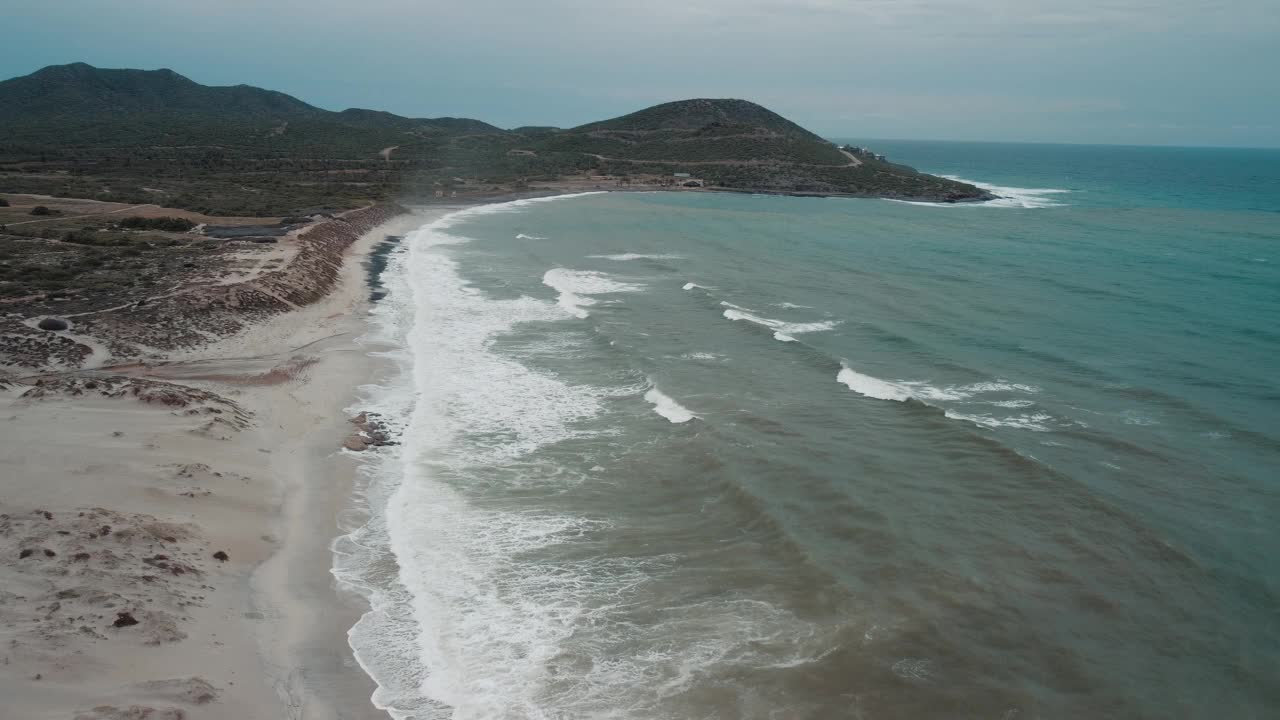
(156, 136)
(700, 131)
(79, 91)
(699, 114)
(736, 144)
(77, 105)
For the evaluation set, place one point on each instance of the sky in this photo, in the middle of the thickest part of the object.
(1163, 72)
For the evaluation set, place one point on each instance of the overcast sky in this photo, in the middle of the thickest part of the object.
(1105, 71)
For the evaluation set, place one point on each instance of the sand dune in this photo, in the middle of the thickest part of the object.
(164, 527)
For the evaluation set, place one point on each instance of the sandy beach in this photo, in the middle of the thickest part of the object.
(165, 526)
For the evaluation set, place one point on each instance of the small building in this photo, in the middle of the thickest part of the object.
(682, 175)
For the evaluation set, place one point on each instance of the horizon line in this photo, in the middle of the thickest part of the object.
(828, 136)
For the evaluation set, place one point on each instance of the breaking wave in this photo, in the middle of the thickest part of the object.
(577, 286)
(667, 407)
(782, 330)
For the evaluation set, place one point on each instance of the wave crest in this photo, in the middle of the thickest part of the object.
(576, 287)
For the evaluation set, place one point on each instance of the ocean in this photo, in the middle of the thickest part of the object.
(695, 455)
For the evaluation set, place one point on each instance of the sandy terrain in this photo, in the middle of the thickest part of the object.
(165, 528)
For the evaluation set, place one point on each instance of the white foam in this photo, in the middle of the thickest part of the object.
(690, 286)
(623, 257)
(667, 407)
(783, 331)
(793, 306)
(1011, 403)
(996, 386)
(1035, 422)
(576, 287)
(522, 236)
(1015, 197)
(517, 204)
(872, 387)
(444, 631)
(1007, 197)
(903, 390)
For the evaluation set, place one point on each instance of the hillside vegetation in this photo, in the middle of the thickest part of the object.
(154, 136)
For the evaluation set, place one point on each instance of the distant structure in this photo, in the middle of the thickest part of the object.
(684, 179)
(865, 152)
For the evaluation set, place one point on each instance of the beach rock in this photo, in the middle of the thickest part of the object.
(53, 323)
(124, 618)
(355, 441)
(221, 556)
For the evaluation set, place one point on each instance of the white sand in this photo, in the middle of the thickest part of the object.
(261, 635)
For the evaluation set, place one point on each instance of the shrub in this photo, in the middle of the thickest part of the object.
(42, 210)
(167, 224)
(4, 203)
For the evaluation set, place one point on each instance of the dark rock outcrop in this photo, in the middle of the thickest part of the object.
(124, 618)
(370, 432)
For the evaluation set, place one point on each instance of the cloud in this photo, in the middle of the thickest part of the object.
(926, 67)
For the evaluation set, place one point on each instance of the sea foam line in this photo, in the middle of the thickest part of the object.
(782, 330)
(437, 639)
(902, 391)
(624, 257)
(1007, 196)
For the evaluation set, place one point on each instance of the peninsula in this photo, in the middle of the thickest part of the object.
(154, 136)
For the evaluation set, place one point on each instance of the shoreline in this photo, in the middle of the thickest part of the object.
(264, 633)
(309, 652)
(568, 188)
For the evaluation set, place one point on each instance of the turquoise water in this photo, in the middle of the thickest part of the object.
(724, 456)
